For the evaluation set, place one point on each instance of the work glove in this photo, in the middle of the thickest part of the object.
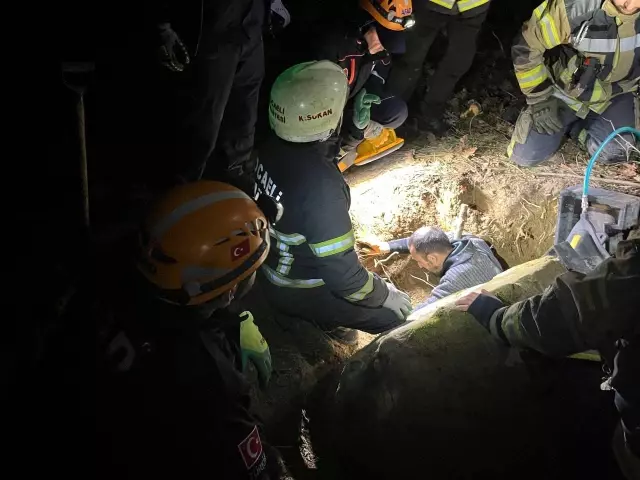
(171, 53)
(546, 118)
(373, 130)
(373, 246)
(397, 301)
(362, 108)
(254, 349)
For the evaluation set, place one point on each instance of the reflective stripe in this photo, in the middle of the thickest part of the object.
(465, 5)
(630, 43)
(361, 294)
(333, 246)
(444, 3)
(540, 10)
(289, 239)
(160, 228)
(511, 146)
(549, 32)
(598, 45)
(284, 264)
(598, 93)
(281, 281)
(532, 77)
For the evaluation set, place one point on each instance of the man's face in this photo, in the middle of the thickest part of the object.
(628, 7)
(430, 262)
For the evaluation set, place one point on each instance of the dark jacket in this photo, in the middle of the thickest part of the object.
(312, 245)
(346, 47)
(172, 402)
(470, 263)
(582, 312)
(207, 25)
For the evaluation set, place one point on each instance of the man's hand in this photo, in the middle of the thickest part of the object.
(397, 301)
(463, 303)
(546, 117)
(254, 349)
(362, 108)
(374, 246)
(171, 53)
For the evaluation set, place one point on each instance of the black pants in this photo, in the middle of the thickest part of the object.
(320, 307)
(407, 69)
(216, 110)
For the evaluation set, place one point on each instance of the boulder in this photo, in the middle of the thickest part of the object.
(440, 396)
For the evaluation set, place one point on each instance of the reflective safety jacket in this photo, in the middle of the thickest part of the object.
(466, 8)
(581, 51)
(312, 244)
(582, 312)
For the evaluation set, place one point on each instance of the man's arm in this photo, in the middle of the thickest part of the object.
(547, 28)
(330, 236)
(443, 289)
(548, 323)
(401, 245)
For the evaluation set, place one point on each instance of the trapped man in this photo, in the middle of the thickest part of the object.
(460, 263)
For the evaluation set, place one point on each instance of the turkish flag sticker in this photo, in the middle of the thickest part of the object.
(240, 250)
(251, 448)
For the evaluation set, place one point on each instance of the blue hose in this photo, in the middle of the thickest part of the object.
(587, 173)
(612, 135)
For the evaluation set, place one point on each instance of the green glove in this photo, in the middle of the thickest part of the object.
(362, 108)
(546, 118)
(254, 349)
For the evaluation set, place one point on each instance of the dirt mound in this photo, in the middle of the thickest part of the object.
(512, 207)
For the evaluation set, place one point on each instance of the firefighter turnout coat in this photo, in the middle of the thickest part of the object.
(465, 8)
(582, 51)
(313, 243)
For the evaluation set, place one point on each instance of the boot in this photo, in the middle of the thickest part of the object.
(372, 149)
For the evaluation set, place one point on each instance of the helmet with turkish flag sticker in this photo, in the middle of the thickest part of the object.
(200, 240)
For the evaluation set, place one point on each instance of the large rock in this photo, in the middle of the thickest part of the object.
(440, 396)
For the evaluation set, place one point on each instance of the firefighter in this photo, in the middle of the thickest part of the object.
(362, 45)
(463, 20)
(578, 63)
(215, 52)
(578, 313)
(312, 271)
(177, 403)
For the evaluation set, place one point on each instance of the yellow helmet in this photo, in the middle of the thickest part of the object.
(391, 14)
(201, 240)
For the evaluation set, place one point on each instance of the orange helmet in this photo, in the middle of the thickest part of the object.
(391, 14)
(200, 240)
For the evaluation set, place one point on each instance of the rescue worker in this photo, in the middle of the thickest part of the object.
(362, 45)
(459, 264)
(578, 313)
(177, 403)
(215, 50)
(312, 271)
(463, 20)
(578, 63)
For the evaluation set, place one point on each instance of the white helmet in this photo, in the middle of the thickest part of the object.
(307, 101)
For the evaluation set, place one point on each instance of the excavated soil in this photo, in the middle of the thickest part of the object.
(422, 184)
